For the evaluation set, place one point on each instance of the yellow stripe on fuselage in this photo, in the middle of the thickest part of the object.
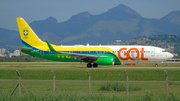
(74, 48)
(77, 48)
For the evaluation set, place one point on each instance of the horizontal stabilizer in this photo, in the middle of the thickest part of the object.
(27, 49)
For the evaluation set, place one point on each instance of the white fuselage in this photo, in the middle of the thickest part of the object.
(135, 53)
(141, 54)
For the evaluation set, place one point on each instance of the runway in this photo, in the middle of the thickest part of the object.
(90, 68)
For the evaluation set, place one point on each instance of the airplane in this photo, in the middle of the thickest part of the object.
(93, 55)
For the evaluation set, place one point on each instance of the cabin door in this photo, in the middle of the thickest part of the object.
(152, 52)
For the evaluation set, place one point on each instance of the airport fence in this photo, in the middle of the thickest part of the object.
(88, 84)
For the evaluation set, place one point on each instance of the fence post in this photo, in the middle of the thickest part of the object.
(19, 84)
(89, 83)
(167, 88)
(54, 82)
(127, 86)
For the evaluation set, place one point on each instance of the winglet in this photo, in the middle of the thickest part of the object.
(50, 47)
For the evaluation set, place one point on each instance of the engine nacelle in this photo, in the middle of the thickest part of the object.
(105, 61)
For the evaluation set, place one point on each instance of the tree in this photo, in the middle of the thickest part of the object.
(177, 50)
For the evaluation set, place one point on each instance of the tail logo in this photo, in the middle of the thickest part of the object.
(25, 32)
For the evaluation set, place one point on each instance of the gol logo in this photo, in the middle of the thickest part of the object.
(128, 56)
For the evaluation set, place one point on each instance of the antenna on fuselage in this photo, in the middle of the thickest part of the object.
(87, 44)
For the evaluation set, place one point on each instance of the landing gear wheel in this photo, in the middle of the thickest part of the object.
(156, 65)
(95, 65)
(89, 65)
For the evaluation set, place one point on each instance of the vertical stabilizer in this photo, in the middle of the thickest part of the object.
(28, 37)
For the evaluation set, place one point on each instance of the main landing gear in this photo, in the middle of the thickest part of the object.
(89, 65)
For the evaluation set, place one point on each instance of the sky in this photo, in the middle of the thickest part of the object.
(62, 10)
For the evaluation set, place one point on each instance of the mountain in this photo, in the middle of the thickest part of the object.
(9, 37)
(173, 17)
(118, 23)
(84, 27)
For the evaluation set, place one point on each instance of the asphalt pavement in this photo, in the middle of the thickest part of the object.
(89, 68)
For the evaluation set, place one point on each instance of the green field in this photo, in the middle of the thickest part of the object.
(72, 84)
(97, 74)
(44, 90)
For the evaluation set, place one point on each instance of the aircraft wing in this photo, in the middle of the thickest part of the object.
(76, 55)
(81, 56)
(27, 49)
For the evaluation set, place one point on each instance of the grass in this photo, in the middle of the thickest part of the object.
(153, 97)
(68, 97)
(42, 90)
(72, 84)
(173, 83)
(96, 74)
(117, 86)
(81, 87)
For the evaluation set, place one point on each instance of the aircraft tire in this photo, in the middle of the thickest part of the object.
(89, 65)
(95, 65)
